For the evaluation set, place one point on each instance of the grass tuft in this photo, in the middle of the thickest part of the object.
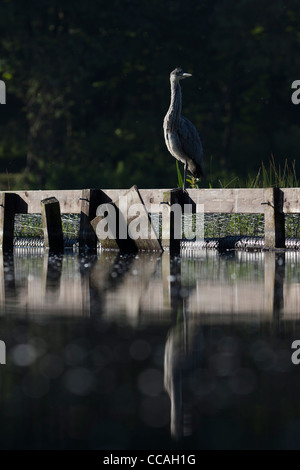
(179, 176)
(275, 176)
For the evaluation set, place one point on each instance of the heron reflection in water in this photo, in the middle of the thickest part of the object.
(182, 355)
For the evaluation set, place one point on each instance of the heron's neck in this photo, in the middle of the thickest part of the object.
(173, 115)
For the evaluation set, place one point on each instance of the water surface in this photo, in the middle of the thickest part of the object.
(149, 352)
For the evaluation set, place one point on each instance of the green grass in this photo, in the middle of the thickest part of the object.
(30, 226)
(269, 175)
(275, 176)
(222, 225)
(179, 175)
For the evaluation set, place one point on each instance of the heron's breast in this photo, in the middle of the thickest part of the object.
(174, 147)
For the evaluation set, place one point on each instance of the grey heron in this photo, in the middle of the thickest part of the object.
(181, 136)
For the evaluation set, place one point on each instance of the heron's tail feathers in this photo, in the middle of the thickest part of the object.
(197, 170)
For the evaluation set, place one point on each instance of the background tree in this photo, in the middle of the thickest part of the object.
(88, 87)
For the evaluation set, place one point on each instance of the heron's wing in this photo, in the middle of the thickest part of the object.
(190, 142)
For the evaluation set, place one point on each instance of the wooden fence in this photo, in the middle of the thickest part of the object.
(274, 203)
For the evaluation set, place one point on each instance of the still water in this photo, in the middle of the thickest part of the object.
(149, 352)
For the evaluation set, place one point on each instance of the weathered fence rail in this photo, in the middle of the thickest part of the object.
(248, 201)
(272, 202)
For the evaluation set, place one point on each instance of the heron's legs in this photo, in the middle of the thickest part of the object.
(185, 175)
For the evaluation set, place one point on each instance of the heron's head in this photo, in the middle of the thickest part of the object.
(179, 74)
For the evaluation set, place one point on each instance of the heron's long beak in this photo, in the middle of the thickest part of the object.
(186, 75)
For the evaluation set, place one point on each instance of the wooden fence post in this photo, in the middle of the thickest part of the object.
(274, 218)
(128, 224)
(7, 221)
(52, 225)
(172, 220)
(90, 200)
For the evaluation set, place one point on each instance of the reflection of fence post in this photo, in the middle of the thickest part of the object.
(278, 284)
(2, 92)
(269, 283)
(166, 273)
(7, 220)
(274, 218)
(170, 228)
(2, 281)
(274, 273)
(2, 352)
(45, 273)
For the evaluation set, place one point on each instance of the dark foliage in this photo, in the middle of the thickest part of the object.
(88, 87)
